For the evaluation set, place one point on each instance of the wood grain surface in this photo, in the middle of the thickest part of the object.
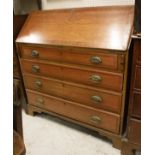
(77, 112)
(100, 27)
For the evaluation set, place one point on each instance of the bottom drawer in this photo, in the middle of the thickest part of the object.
(134, 131)
(92, 116)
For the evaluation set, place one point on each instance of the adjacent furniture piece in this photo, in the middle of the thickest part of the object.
(74, 65)
(18, 145)
(17, 107)
(132, 140)
(18, 21)
(19, 99)
(18, 92)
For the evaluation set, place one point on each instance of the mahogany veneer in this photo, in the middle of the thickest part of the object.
(74, 64)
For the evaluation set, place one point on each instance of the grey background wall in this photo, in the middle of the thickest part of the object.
(26, 6)
(54, 4)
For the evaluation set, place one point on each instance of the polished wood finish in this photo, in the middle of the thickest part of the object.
(115, 138)
(73, 92)
(75, 111)
(74, 64)
(101, 27)
(72, 55)
(109, 80)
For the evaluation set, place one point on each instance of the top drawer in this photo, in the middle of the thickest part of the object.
(94, 58)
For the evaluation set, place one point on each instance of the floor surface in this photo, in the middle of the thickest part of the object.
(47, 135)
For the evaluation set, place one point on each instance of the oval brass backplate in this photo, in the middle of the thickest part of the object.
(35, 68)
(96, 99)
(95, 120)
(38, 84)
(40, 100)
(95, 78)
(34, 53)
(95, 60)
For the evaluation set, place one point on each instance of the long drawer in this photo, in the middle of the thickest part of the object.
(84, 75)
(74, 92)
(75, 111)
(90, 57)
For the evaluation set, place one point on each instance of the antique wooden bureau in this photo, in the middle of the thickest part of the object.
(74, 65)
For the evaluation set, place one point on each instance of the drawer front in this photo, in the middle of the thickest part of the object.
(28, 52)
(75, 111)
(137, 82)
(137, 50)
(102, 79)
(75, 56)
(136, 106)
(94, 98)
(134, 132)
(106, 80)
(76, 93)
(108, 61)
(43, 85)
(42, 69)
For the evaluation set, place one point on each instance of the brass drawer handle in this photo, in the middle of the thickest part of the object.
(96, 99)
(96, 60)
(95, 78)
(34, 53)
(95, 120)
(35, 69)
(40, 100)
(38, 84)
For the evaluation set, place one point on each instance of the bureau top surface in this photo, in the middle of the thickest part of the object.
(98, 27)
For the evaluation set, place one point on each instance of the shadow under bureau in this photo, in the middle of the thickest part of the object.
(74, 65)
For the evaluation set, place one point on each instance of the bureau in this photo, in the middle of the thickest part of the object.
(74, 65)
